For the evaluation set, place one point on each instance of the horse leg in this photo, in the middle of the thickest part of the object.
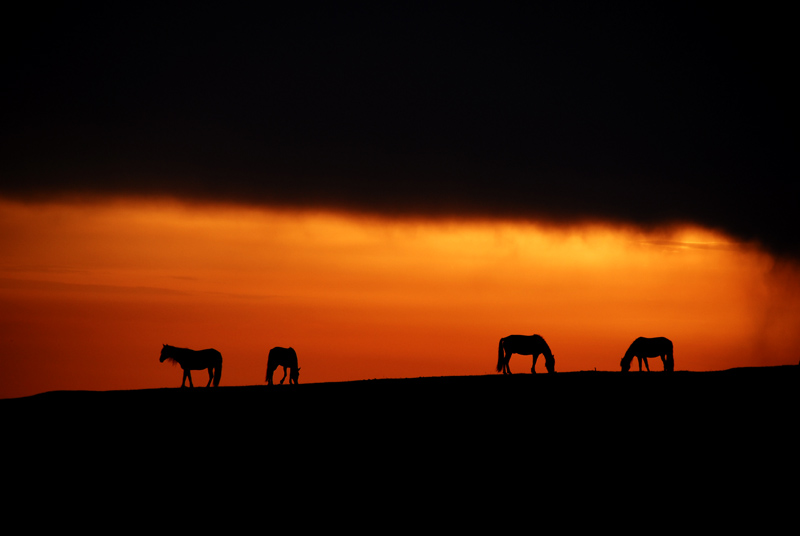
(507, 367)
(187, 374)
(646, 365)
(210, 375)
(284, 375)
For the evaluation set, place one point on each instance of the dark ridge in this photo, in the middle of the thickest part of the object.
(577, 448)
(680, 399)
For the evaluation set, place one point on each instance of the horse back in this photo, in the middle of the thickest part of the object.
(201, 359)
(664, 343)
(651, 347)
(285, 357)
(525, 344)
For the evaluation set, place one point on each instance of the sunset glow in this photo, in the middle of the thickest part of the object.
(90, 291)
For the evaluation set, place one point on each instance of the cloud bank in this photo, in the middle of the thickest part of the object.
(638, 115)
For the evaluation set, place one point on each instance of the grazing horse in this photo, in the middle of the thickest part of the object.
(532, 345)
(194, 360)
(286, 358)
(642, 348)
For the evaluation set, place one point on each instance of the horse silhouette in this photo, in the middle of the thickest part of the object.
(643, 348)
(286, 358)
(531, 345)
(194, 360)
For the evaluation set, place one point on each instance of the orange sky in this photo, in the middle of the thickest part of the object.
(90, 290)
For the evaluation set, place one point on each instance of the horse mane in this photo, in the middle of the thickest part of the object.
(171, 358)
(540, 339)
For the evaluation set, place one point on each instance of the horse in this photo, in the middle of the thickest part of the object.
(194, 360)
(286, 358)
(642, 348)
(532, 345)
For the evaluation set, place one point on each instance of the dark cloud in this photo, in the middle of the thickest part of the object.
(644, 115)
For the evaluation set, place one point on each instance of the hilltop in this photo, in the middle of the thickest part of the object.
(415, 450)
(435, 407)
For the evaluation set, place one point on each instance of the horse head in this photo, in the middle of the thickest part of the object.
(550, 363)
(163, 353)
(294, 376)
(625, 364)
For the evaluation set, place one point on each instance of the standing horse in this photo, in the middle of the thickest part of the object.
(286, 358)
(642, 348)
(194, 360)
(532, 345)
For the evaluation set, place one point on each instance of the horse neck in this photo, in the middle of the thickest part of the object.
(174, 357)
(175, 354)
(629, 355)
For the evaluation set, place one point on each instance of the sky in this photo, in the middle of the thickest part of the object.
(390, 189)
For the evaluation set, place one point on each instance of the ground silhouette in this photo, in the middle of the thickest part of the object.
(410, 451)
(563, 407)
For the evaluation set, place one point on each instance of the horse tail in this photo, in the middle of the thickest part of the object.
(218, 372)
(500, 362)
